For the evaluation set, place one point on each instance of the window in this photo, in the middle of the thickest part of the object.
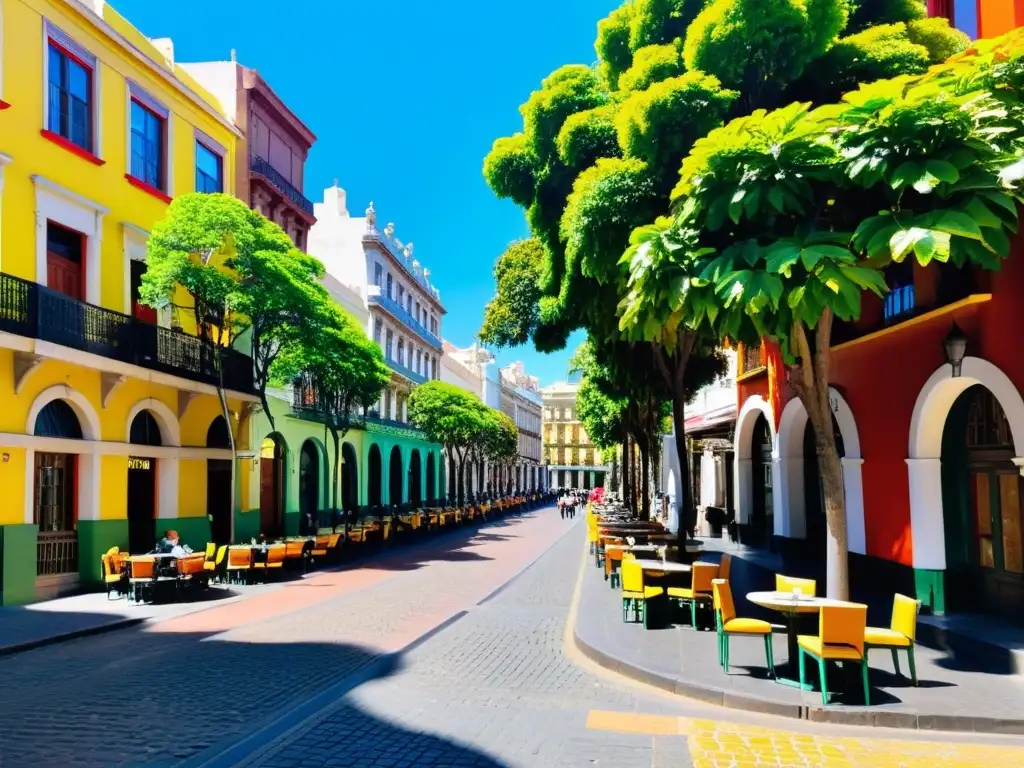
(65, 257)
(147, 146)
(401, 293)
(408, 304)
(418, 313)
(899, 302)
(433, 325)
(378, 274)
(419, 360)
(141, 311)
(390, 285)
(209, 169)
(387, 347)
(401, 351)
(378, 327)
(433, 368)
(70, 97)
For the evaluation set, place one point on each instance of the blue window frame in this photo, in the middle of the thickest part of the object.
(70, 97)
(209, 170)
(147, 146)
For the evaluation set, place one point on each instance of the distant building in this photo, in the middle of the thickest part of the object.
(573, 461)
(271, 158)
(521, 401)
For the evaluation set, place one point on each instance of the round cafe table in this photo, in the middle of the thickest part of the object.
(791, 607)
(666, 567)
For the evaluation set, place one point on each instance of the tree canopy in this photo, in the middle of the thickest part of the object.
(242, 274)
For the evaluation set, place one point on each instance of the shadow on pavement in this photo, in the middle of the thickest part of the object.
(136, 697)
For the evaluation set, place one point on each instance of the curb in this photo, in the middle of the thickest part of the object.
(864, 718)
(63, 637)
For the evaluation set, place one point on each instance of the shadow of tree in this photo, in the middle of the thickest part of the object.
(137, 697)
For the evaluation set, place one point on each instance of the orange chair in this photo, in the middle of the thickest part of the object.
(143, 575)
(612, 561)
(724, 566)
(701, 589)
(276, 554)
(239, 563)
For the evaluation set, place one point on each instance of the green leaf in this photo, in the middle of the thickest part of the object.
(957, 223)
(942, 170)
(903, 240)
(908, 173)
(981, 214)
(796, 296)
(777, 199)
(781, 257)
(926, 183)
(924, 248)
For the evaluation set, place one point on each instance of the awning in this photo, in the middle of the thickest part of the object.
(714, 418)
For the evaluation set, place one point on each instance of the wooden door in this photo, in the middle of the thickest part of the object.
(64, 275)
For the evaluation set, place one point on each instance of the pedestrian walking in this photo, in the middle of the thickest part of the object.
(561, 506)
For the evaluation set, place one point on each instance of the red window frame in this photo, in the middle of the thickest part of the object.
(165, 170)
(91, 74)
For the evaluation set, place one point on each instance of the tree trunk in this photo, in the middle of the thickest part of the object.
(334, 480)
(624, 471)
(460, 485)
(645, 480)
(809, 379)
(627, 473)
(673, 369)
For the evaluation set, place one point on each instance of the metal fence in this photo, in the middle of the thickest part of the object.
(56, 553)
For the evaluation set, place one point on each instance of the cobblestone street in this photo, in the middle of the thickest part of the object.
(429, 657)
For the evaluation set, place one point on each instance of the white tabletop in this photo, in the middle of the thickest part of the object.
(634, 548)
(657, 565)
(784, 602)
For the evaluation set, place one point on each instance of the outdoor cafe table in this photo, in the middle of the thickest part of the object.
(791, 608)
(666, 567)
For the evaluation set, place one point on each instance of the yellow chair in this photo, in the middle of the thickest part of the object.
(216, 563)
(592, 534)
(634, 594)
(727, 624)
(901, 633)
(211, 550)
(113, 575)
(724, 566)
(787, 584)
(840, 638)
(700, 589)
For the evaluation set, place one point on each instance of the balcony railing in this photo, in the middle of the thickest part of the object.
(56, 553)
(265, 169)
(398, 368)
(32, 310)
(376, 296)
(752, 359)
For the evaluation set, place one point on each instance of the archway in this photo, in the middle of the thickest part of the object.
(309, 487)
(415, 478)
(981, 492)
(798, 495)
(431, 481)
(55, 491)
(753, 489)
(375, 478)
(395, 478)
(272, 459)
(929, 478)
(350, 478)
(218, 483)
(144, 430)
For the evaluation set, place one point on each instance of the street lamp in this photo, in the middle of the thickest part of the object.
(955, 348)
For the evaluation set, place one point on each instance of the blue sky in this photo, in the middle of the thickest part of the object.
(405, 98)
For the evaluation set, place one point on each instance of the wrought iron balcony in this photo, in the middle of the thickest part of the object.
(752, 359)
(408, 373)
(32, 310)
(258, 165)
(400, 313)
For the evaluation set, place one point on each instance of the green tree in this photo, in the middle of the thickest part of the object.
(581, 205)
(499, 439)
(511, 317)
(452, 417)
(786, 218)
(338, 372)
(243, 282)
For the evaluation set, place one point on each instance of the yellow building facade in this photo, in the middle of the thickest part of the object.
(110, 419)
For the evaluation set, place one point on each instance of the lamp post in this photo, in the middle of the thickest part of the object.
(955, 348)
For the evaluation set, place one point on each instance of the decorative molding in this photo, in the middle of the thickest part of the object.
(109, 382)
(24, 364)
(184, 401)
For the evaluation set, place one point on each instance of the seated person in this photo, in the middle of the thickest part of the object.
(170, 545)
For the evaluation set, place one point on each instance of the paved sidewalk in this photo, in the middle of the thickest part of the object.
(186, 687)
(684, 661)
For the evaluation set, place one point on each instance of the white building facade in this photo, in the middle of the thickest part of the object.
(403, 309)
